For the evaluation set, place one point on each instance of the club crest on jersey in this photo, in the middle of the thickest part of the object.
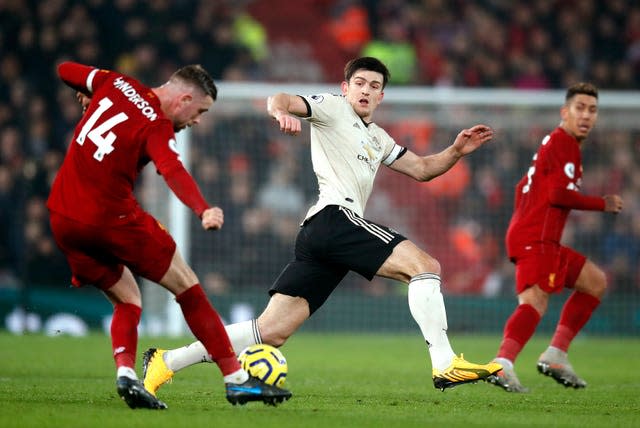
(376, 143)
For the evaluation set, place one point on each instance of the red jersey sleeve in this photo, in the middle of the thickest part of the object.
(83, 78)
(565, 165)
(160, 148)
(574, 200)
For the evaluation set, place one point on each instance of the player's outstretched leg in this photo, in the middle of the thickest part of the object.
(507, 378)
(460, 371)
(155, 372)
(554, 363)
(133, 393)
(255, 390)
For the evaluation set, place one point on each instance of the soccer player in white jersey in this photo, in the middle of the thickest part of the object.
(347, 148)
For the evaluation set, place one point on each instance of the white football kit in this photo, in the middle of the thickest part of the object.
(345, 153)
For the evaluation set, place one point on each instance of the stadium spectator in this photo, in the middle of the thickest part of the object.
(394, 47)
(349, 25)
(348, 148)
(105, 235)
(544, 198)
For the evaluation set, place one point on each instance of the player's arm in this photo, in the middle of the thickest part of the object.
(425, 168)
(78, 76)
(563, 162)
(180, 181)
(285, 109)
(572, 199)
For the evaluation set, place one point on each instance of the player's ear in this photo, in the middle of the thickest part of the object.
(564, 112)
(344, 86)
(185, 99)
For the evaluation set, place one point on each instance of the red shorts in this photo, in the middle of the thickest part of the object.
(97, 255)
(552, 269)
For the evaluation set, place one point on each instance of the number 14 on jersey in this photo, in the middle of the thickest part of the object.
(100, 134)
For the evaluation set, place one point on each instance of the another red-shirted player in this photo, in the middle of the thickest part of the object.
(544, 197)
(107, 237)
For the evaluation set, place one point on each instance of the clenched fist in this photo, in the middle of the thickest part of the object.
(212, 218)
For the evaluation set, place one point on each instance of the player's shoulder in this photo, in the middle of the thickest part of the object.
(137, 99)
(374, 128)
(559, 139)
(325, 98)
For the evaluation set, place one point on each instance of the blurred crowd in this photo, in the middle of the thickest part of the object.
(264, 181)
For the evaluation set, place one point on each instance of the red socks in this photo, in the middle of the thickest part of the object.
(575, 313)
(518, 330)
(206, 325)
(124, 334)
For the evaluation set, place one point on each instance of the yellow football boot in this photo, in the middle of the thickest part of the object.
(155, 372)
(461, 371)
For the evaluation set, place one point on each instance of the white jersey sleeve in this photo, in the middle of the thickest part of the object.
(346, 152)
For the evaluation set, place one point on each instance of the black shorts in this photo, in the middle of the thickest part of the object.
(330, 244)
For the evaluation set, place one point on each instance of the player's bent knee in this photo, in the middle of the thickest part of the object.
(592, 281)
(599, 283)
(426, 263)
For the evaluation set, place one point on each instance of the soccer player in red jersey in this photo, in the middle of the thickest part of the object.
(543, 200)
(107, 237)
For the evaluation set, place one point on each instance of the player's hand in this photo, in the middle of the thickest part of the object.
(84, 100)
(470, 139)
(212, 218)
(289, 124)
(612, 203)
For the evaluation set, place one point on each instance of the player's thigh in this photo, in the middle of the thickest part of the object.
(125, 290)
(282, 317)
(144, 246)
(86, 250)
(547, 269)
(406, 261)
(591, 279)
(311, 280)
(179, 276)
(339, 237)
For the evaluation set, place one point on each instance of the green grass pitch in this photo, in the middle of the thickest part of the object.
(338, 380)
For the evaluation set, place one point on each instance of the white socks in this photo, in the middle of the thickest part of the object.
(127, 372)
(179, 358)
(427, 308)
(506, 364)
(241, 334)
(237, 377)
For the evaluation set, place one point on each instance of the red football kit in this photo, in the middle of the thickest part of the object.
(544, 197)
(95, 217)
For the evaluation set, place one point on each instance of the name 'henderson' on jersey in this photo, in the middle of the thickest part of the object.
(122, 130)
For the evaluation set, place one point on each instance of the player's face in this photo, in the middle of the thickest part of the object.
(579, 115)
(190, 110)
(364, 92)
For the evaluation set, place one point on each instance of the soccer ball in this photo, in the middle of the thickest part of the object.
(264, 362)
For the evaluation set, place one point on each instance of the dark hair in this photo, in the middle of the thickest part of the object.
(367, 63)
(199, 77)
(581, 88)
